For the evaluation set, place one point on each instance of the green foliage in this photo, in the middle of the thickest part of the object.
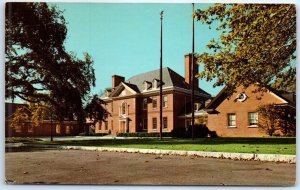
(143, 134)
(200, 131)
(37, 66)
(92, 134)
(257, 45)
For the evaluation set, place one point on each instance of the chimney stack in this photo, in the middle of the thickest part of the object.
(188, 70)
(116, 80)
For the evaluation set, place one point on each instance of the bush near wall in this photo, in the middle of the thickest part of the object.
(92, 134)
(143, 134)
(200, 131)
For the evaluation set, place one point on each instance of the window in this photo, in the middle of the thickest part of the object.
(231, 120)
(145, 123)
(165, 122)
(165, 101)
(112, 124)
(68, 129)
(154, 102)
(241, 97)
(253, 119)
(123, 108)
(145, 104)
(112, 107)
(154, 123)
(57, 129)
(30, 129)
(106, 125)
(155, 83)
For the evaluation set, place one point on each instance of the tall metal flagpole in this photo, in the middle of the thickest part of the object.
(160, 78)
(193, 75)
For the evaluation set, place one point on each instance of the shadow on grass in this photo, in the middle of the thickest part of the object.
(203, 141)
(27, 149)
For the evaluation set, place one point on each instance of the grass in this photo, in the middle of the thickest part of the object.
(241, 145)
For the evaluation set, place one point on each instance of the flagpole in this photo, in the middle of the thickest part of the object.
(193, 75)
(160, 78)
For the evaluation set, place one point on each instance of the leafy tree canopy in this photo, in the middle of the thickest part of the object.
(38, 68)
(257, 45)
(95, 110)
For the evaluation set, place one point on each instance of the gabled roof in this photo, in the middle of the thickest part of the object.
(133, 88)
(222, 95)
(170, 78)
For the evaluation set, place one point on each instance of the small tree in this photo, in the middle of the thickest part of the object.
(270, 118)
(20, 118)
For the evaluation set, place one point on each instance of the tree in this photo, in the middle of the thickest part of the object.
(95, 110)
(257, 45)
(269, 118)
(277, 118)
(20, 118)
(38, 68)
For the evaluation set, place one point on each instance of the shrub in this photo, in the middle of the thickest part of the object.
(143, 134)
(92, 134)
(200, 131)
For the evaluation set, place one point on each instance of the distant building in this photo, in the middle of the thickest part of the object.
(237, 116)
(133, 104)
(27, 129)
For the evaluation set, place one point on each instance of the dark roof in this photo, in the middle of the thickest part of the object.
(170, 78)
(132, 86)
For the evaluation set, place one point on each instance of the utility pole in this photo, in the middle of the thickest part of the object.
(193, 75)
(160, 78)
(51, 127)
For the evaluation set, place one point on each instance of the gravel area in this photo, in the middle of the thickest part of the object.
(38, 166)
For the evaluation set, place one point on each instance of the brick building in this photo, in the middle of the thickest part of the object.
(133, 104)
(236, 116)
(27, 129)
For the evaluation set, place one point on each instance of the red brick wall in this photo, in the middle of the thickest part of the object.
(137, 114)
(188, 71)
(44, 129)
(219, 122)
(114, 125)
(180, 100)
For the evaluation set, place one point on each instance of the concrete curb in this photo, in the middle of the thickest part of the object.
(223, 155)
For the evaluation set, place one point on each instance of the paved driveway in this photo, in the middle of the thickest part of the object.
(92, 167)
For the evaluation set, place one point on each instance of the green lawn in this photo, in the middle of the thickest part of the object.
(242, 145)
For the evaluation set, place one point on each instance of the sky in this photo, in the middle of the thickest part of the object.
(124, 39)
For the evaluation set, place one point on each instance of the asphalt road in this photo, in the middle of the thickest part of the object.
(92, 167)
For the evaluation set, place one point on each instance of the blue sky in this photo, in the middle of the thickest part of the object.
(124, 39)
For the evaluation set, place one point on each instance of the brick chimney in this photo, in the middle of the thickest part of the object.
(116, 80)
(188, 69)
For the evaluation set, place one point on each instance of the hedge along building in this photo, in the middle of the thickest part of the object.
(237, 115)
(133, 105)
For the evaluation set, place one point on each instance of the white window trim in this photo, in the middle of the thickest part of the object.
(166, 106)
(152, 102)
(253, 126)
(144, 104)
(232, 126)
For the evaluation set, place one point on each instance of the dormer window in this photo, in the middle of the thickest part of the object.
(147, 85)
(155, 83)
